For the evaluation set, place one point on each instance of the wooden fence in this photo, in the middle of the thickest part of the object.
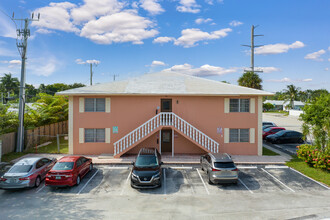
(34, 137)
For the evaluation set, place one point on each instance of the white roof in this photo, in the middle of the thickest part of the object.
(283, 102)
(165, 83)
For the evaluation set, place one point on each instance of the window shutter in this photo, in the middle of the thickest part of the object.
(252, 135)
(107, 135)
(226, 134)
(108, 105)
(252, 105)
(226, 105)
(81, 104)
(81, 135)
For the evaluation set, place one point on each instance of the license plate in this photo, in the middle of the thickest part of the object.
(58, 177)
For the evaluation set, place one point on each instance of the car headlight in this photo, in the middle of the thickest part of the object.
(134, 175)
(157, 175)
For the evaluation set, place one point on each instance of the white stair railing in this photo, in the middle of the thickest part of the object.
(165, 119)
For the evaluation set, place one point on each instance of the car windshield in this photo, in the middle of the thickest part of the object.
(146, 161)
(224, 165)
(268, 129)
(280, 133)
(20, 169)
(63, 166)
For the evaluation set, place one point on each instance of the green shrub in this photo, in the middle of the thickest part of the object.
(314, 157)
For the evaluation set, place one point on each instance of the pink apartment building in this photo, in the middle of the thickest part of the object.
(174, 112)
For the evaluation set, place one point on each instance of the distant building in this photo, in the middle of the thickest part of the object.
(14, 107)
(281, 104)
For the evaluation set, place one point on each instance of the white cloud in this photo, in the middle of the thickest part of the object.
(157, 63)
(188, 6)
(43, 66)
(315, 56)
(278, 48)
(152, 6)
(162, 40)
(14, 63)
(44, 31)
(7, 27)
(202, 20)
(235, 23)
(285, 79)
(191, 36)
(270, 69)
(80, 61)
(205, 70)
(329, 59)
(120, 27)
(56, 17)
(326, 69)
(91, 9)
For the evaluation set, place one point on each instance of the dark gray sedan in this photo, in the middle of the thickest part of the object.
(27, 172)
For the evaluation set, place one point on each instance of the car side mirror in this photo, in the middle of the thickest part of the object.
(133, 163)
(161, 163)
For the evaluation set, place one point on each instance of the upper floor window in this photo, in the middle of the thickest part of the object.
(239, 105)
(238, 135)
(94, 104)
(94, 135)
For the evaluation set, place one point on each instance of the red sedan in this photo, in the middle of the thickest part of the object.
(69, 171)
(271, 130)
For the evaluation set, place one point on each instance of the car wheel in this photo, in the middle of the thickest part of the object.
(37, 182)
(210, 182)
(90, 167)
(78, 180)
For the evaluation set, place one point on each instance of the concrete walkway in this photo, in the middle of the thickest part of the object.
(177, 159)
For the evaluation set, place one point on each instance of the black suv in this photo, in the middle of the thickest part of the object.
(147, 171)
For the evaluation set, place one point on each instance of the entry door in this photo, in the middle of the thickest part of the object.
(166, 140)
(166, 105)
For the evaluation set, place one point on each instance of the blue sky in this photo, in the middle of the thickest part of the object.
(201, 38)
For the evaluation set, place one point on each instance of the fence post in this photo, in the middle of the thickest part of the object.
(58, 143)
(0, 150)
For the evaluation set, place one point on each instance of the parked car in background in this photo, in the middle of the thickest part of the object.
(27, 172)
(269, 123)
(147, 171)
(285, 136)
(271, 130)
(220, 168)
(69, 171)
(267, 126)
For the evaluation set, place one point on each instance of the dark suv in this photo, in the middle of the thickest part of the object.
(147, 171)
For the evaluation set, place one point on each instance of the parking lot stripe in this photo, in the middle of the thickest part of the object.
(116, 168)
(276, 167)
(245, 185)
(247, 167)
(203, 182)
(41, 188)
(277, 180)
(122, 190)
(310, 178)
(164, 170)
(187, 168)
(87, 182)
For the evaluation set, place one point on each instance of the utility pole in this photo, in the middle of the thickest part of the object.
(114, 77)
(91, 79)
(22, 48)
(252, 46)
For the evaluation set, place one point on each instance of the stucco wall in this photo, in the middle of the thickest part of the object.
(128, 112)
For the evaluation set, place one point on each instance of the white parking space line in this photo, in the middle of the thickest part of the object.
(164, 170)
(247, 167)
(276, 167)
(122, 190)
(310, 178)
(203, 182)
(87, 182)
(277, 180)
(177, 168)
(245, 185)
(41, 188)
(116, 168)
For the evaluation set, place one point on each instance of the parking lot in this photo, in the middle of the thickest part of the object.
(106, 192)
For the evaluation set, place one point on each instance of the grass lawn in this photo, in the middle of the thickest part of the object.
(49, 149)
(316, 174)
(267, 152)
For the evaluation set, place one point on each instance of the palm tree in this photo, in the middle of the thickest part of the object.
(9, 84)
(291, 94)
(251, 80)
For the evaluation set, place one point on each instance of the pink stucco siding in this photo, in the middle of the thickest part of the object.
(129, 112)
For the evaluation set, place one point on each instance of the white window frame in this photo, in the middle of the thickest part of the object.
(239, 135)
(239, 105)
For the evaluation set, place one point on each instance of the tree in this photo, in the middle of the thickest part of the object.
(291, 94)
(316, 119)
(251, 80)
(268, 106)
(8, 120)
(9, 84)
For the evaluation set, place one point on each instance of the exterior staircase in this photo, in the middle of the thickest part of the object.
(165, 119)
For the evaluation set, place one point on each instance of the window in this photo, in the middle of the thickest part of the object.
(239, 135)
(39, 164)
(94, 135)
(239, 105)
(94, 104)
